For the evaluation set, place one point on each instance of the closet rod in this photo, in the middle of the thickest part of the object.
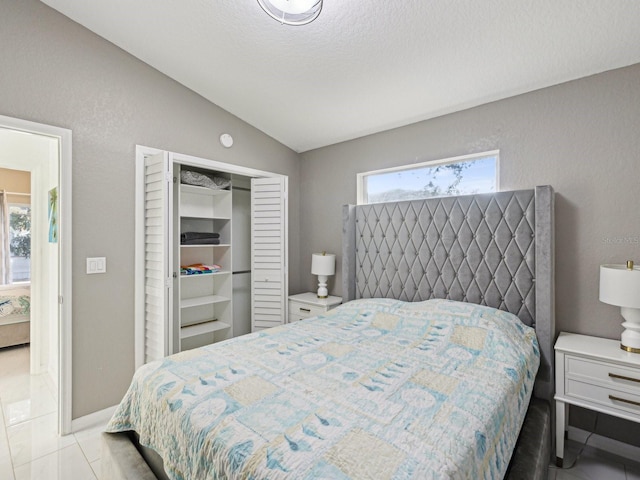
(18, 193)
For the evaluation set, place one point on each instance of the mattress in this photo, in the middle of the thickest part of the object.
(376, 388)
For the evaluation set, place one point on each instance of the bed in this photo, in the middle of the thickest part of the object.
(15, 307)
(315, 399)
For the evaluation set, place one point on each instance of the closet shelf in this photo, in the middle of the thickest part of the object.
(200, 275)
(199, 301)
(207, 216)
(202, 190)
(206, 246)
(201, 328)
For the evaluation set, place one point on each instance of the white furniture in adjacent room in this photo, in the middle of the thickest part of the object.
(594, 373)
(305, 305)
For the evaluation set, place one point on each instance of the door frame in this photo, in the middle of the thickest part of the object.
(64, 326)
(141, 153)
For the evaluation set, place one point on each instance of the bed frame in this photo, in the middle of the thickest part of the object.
(491, 249)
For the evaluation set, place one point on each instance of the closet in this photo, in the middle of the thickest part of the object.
(203, 267)
(211, 256)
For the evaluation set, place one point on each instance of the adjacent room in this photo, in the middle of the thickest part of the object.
(319, 239)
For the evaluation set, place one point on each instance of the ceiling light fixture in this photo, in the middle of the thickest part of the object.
(292, 12)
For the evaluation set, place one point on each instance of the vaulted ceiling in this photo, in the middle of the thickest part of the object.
(365, 66)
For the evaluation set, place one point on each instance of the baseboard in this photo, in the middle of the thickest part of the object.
(605, 443)
(93, 419)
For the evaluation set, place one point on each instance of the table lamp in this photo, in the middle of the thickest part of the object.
(620, 286)
(323, 264)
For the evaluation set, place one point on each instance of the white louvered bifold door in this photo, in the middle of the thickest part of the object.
(268, 252)
(156, 259)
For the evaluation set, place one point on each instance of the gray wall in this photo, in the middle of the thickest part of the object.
(56, 72)
(580, 137)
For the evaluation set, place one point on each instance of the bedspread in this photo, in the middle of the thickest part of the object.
(378, 389)
(15, 301)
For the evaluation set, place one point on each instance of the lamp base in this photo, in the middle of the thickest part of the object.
(323, 292)
(630, 338)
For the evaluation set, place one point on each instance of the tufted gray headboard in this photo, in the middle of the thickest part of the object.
(490, 249)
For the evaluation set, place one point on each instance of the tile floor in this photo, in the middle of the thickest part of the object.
(29, 445)
(30, 448)
(595, 464)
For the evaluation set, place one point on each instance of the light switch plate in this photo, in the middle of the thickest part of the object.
(96, 265)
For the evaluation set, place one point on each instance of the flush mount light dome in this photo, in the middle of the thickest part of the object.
(292, 12)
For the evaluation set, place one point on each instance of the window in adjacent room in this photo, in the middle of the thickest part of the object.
(20, 241)
(465, 175)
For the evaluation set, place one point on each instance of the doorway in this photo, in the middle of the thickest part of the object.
(45, 153)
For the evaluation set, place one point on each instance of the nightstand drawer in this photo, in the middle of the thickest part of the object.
(604, 397)
(305, 305)
(304, 310)
(606, 374)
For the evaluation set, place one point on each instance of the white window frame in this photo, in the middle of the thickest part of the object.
(360, 177)
(21, 204)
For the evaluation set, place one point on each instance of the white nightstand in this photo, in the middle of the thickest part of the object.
(594, 373)
(304, 305)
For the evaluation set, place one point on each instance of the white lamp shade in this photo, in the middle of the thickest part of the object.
(620, 286)
(323, 264)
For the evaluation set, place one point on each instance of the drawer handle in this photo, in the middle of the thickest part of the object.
(308, 310)
(618, 399)
(622, 377)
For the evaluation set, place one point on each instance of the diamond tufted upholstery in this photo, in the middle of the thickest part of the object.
(475, 248)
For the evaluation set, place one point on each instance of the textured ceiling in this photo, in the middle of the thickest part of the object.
(365, 66)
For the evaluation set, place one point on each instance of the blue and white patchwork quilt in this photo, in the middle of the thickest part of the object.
(374, 389)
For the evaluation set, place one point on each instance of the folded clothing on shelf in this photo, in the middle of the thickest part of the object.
(201, 241)
(199, 269)
(199, 238)
(196, 235)
(200, 179)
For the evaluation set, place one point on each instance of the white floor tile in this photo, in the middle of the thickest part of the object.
(6, 465)
(67, 463)
(593, 464)
(5, 453)
(6, 471)
(36, 438)
(22, 387)
(14, 364)
(90, 441)
(39, 403)
(95, 466)
(14, 361)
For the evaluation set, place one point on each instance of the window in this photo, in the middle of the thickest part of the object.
(464, 175)
(20, 242)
